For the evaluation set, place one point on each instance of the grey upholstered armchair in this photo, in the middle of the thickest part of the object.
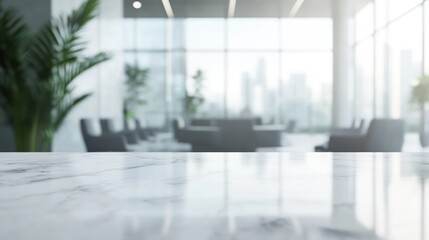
(383, 135)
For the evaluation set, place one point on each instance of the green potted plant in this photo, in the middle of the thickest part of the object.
(195, 99)
(420, 96)
(136, 87)
(37, 71)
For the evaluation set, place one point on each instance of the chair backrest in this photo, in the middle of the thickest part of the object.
(236, 135)
(102, 143)
(354, 122)
(361, 124)
(178, 123)
(361, 128)
(178, 126)
(138, 124)
(257, 121)
(385, 135)
(291, 125)
(107, 125)
(88, 134)
(87, 128)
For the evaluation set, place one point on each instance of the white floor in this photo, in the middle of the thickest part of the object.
(292, 143)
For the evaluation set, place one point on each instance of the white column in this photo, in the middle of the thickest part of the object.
(342, 107)
(112, 73)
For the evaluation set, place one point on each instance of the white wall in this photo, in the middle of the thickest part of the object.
(105, 81)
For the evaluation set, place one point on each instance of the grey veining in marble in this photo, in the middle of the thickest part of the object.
(214, 196)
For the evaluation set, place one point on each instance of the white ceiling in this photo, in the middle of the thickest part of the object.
(244, 8)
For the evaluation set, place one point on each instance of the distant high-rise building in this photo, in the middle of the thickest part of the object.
(297, 100)
(247, 94)
(260, 86)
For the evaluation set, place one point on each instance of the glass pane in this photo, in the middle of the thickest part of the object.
(380, 13)
(253, 33)
(381, 58)
(301, 34)
(176, 39)
(365, 22)
(178, 83)
(405, 65)
(253, 85)
(203, 33)
(155, 108)
(426, 37)
(364, 80)
(129, 33)
(399, 7)
(212, 67)
(307, 90)
(151, 33)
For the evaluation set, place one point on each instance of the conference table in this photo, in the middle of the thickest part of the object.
(62, 196)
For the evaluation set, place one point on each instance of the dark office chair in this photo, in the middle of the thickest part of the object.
(383, 135)
(144, 131)
(291, 126)
(143, 135)
(237, 135)
(354, 129)
(132, 126)
(108, 127)
(179, 130)
(100, 143)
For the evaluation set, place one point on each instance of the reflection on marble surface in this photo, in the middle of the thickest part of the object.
(214, 196)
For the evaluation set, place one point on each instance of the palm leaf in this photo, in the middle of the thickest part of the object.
(68, 72)
(12, 35)
(58, 42)
(37, 71)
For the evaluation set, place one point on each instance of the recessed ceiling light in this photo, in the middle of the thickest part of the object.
(296, 7)
(168, 8)
(231, 9)
(137, 4)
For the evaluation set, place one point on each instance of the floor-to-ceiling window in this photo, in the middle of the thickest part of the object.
(306, 70)
(148, 41)
(364, 63)
(279, 69)
(389, 58)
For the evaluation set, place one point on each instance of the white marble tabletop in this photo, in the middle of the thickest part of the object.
(193, 196)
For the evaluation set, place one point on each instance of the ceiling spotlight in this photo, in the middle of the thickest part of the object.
(231, 9)
(296, 7)
(168, 8)
(137, 4)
